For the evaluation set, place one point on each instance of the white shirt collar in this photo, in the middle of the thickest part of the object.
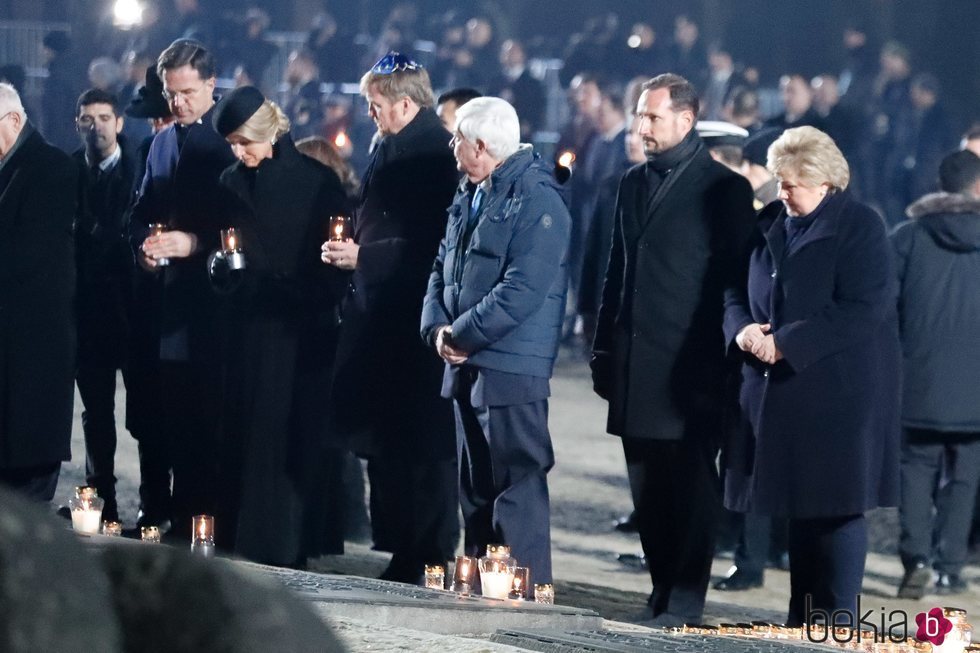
(109, 162)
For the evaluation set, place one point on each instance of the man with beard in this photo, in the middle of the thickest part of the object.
(681, 220)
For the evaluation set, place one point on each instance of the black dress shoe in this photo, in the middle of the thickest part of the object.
(626, 523)
(950, 584)
(635, 561)
(914, 582)
(738, 580)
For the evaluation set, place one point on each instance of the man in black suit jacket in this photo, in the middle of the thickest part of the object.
(180, 190)
(681, 220)
(105, 267)
(38, 202)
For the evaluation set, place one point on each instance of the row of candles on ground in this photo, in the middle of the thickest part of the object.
(957, 640)
(500, 577)
(86, 517)
(231, 240)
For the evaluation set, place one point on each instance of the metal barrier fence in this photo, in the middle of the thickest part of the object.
(20, 43)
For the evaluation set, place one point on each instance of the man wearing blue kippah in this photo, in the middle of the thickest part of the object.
(385, 403)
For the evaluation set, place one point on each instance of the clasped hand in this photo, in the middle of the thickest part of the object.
(446, 350)
(757, 339)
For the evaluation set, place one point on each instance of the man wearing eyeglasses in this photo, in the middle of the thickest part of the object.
(38, 202)
(180, 191)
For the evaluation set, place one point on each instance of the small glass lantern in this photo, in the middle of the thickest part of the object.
(544, 593)
(155, 230)
(150, 534)
(340, 228)
(231, 248)
(86, 511)
(463, 574)
(112, 529)
(518, 590)
(497, 571)
(202, 536)
(435, 577)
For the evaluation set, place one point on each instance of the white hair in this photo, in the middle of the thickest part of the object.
(493, 121)
(10, 100)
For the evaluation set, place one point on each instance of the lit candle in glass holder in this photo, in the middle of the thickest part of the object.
(155, 230)
(340, 228)
(518, 590)
(86, 511)
(463, 574)
(544, 593)
(112, 529)
(202, 536)
(497, 576)
(435, 577)
(150, 534)
(231, 248)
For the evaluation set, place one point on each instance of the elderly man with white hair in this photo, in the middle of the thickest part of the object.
(493, 312)
(38, 202)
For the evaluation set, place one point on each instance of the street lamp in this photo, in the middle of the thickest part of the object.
(127, 14)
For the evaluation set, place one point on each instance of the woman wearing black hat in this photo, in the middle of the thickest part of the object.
(280, 341)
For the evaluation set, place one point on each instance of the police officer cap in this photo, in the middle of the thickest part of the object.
(716, 133)
(236, 108)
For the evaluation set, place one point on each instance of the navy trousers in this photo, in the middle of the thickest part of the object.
(826, 563)
(504, 457)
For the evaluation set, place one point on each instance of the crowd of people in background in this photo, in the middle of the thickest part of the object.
(311, 357)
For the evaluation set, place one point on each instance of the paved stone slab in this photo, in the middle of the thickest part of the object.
(607, 641)
(434, 611)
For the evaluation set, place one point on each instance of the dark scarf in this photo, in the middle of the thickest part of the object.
(665, 161)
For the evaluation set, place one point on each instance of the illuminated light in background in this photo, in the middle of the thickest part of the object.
(634, 41)
(127, 14)
(340, 140)
(566, 159)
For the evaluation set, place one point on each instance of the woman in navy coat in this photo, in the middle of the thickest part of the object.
(818, 437)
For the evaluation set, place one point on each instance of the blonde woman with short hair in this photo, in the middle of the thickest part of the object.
(815, 325)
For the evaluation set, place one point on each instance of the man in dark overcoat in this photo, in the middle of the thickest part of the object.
(659, 352)
(385, 400)
(38, 204)
(105, 269)
(180, 190)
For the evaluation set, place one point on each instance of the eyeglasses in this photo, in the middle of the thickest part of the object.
(186, 94)
(9, 113)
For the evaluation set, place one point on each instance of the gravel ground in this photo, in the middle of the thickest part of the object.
(589, 490)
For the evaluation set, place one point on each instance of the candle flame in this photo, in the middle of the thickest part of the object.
(231, 242)
(566, 159)
(339, 230)
(340, 140)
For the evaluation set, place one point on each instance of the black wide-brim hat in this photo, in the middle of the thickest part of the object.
(149, 102)
(236, 108)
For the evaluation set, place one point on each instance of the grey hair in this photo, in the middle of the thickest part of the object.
(810, 154)
(493, 121)
(10, 100)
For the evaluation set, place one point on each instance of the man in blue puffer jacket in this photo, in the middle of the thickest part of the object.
(493, 312)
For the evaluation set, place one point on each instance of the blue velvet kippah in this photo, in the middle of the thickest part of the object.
(394, 62)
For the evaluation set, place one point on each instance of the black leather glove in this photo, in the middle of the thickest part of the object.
(602, 373)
